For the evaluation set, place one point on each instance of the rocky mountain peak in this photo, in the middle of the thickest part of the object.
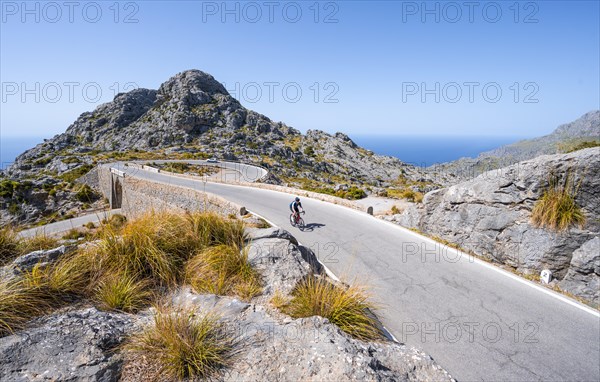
(191, 84)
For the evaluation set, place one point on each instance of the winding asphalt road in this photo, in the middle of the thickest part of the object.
(475, 320)
(478, 322)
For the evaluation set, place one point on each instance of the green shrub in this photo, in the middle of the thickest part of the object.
(42, 161)
(76, 173)
(86, 194)
(14, 208)
(309, 150)
(7, 188)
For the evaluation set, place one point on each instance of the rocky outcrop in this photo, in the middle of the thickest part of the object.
(276, 255)
(278, 348)
(74, 346)
(490, 216)
(26, 262)
(583, 277)
(84, 344)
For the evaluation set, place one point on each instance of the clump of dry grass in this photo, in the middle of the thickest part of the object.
(211, 229)
(9, 245)
(348, 307)
(125, 264)
(557, 209)
(38, 242)
(223, 270)
(121, 291)
(279, 300)
(13, 246)
(184, 345)
(19, 302)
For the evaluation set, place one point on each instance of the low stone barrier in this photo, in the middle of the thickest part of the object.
(139, 196)
(273, 187)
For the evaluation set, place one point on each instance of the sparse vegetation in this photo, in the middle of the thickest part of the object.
(572, 147)
(76, 173)
(406, 193)
(184, 345)
(19, 302)
(348, 308)
(223, 270)
(9, 245)
(85, 194)
(38, 242)
(557, 208)
(73, 234)
(351, 193)
(186, 168)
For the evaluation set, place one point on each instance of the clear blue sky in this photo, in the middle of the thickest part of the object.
(369, 61)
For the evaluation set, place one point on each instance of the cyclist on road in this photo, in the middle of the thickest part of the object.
(295, 207)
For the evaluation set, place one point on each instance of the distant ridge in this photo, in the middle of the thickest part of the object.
(565, 138)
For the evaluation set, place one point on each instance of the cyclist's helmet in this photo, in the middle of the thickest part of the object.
(297, 199)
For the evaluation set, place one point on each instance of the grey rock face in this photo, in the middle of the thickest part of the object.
(277, 348)
(276, 255)
(270, 233)
(72, 346)
(26, 262)
(490, 215)
(583, 276)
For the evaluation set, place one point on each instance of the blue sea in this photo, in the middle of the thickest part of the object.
(11, 147)
(417, 150)
(427, 150)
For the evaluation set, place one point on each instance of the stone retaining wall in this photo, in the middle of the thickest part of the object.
(287, 190)
(139, 196)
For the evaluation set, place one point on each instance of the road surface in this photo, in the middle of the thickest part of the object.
(478, 322)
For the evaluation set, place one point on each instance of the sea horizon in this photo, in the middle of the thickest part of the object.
(427, 150)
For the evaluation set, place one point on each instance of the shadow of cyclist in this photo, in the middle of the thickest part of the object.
(311, 226)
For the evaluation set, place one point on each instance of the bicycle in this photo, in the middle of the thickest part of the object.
(297, 221)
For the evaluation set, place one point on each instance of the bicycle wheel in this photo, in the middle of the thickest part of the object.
(292, 220)
(301, 224)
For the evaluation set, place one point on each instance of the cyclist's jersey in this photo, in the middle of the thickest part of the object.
(294, 206)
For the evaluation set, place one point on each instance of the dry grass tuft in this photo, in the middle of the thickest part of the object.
(123, 292)
(279, 300)
(223, 270)
(184, 345)
(38, 242)
(19, 302)
(557, 209)
(9, 245)
(348, 308)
